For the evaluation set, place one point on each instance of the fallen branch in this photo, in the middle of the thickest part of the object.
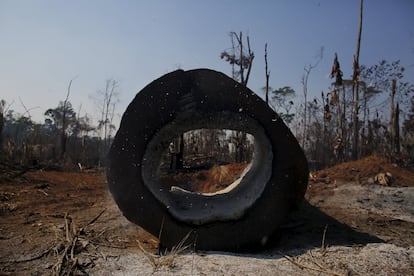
(66, 258)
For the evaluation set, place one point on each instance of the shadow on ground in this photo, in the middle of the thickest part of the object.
(309, 228)
(306, 229)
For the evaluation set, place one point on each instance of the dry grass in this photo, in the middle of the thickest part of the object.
(314, 263)
(167, 258)
(218, 173)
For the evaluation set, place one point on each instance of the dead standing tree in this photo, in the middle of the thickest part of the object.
(62, 120)
(396, 140)
(63, 136)
(106, 103)
(386, 77)
(355, 78)
(335, 100)
(2, 111)
(239, 57)
(267, 73)
(308, 69)
(63, 115)
(394, 121)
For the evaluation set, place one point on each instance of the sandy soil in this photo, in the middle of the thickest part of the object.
(58, 223)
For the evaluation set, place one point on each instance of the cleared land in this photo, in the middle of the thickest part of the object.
(58, 222)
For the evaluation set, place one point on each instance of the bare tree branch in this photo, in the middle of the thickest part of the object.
(267, 73)
(355, 79)
(27, 111)
(63, 136)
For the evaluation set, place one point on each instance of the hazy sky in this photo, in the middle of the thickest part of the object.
(44, 44)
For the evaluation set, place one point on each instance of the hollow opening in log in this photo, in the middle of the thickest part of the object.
(206, 161)
(208, 205)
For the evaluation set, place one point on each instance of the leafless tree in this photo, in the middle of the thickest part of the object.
(335, 100)
(355, 78)
(2, 111)
(63, 135)
(308, 69)
(26, 110)
(106, 102)
(238, 56)
(267, 73)
(62, 118)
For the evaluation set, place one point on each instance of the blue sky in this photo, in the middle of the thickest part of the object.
(44, 44)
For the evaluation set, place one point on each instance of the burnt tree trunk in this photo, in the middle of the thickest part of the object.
(63, 136)
(392, 116)
(1, 130)
(397, 148)
(355, 78)
(180, 155)
(267, 76)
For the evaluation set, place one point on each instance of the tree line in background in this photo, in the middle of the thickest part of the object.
(371, 112)
(205, 148)
(323, 125)
(324, 128)
(65, 138)
(359, 116)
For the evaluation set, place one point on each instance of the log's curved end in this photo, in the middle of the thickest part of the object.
(251, 209)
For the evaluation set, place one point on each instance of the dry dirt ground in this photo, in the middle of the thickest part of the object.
(67, 223)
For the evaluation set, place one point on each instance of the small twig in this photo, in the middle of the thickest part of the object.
(323, 237)
(314, 261)
(151, 257)
(57, 267)
(320, 269)
(101, 233)
(162, 226)
(110, 245)
(43, 192)
(82, 229)
(66, 227)
(194, 250)
(32, 258)
(301, 266)
(72, 250)
(180, 247)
